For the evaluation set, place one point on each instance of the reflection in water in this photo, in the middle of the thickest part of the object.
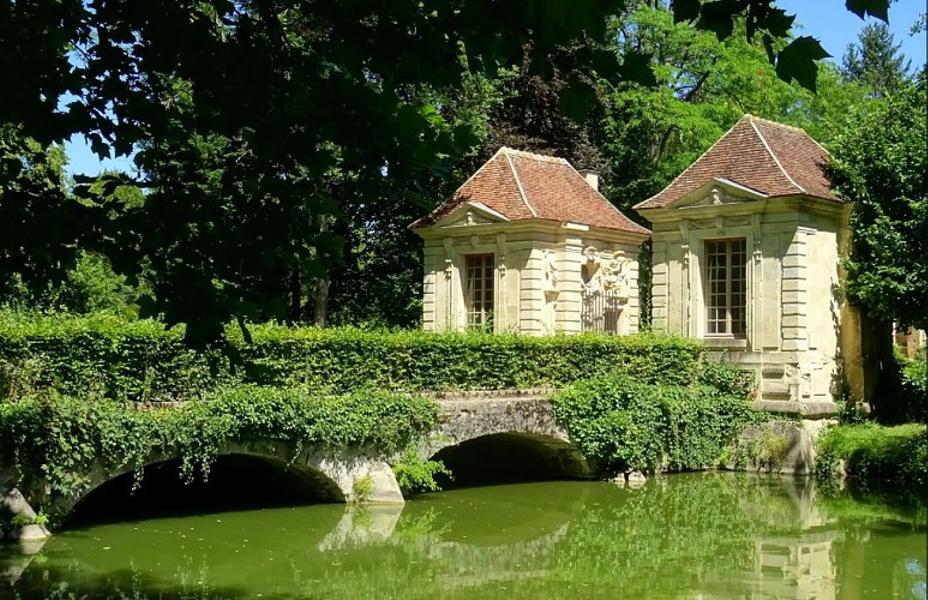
(795, 566)
(682, 536)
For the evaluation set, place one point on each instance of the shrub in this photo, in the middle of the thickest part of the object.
(415, 475)
(622, 423)
(140, 360)
(914, 374)
(874, 452)
(63, 438)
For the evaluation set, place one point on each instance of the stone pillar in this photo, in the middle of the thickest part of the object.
(633, 310)
(687, 274)
(532, 300)
(795, 293)
(569, 285)
(659, 277)
(430, 280)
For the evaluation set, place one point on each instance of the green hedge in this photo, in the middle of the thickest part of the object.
(140, 360)
(63, 438)
(622, 424)
(874, 453)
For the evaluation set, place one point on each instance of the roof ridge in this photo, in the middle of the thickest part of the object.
(692, 164)
(775, 123)
(533, 155)
(793, 128)
(774, 156)
(474, 174)
(601, 195)
(458, 189)
(515, 174)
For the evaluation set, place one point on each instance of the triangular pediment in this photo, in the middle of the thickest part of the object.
(718, 192)
(470, 214)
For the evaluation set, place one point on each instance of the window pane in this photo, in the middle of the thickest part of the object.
(479, 289)
(726, 287)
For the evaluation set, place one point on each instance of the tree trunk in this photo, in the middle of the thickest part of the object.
(321, 301)
(296, 296)
(321, 288)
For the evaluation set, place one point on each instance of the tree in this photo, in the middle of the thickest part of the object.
(251, 119)
(875, 60)
(52, 258)
(377, 278)
(41, 225)
(880, 164)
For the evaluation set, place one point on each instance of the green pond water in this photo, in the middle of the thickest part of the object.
(683, 536)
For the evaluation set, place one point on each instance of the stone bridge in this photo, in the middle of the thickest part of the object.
(510, 435)
(481, 436)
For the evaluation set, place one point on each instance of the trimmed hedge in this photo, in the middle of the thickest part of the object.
(873, 453)
(141, 361)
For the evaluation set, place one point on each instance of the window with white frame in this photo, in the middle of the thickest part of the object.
(479, 289)
(726, 291)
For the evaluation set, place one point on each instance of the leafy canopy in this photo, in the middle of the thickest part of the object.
(880, 163)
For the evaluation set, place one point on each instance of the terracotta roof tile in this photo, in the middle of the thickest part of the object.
(769, 157)
(522, 185)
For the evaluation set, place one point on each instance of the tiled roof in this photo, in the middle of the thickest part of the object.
(771, 158)
(522, 185)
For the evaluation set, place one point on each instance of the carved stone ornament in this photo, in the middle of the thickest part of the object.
(550, 270)
(614, 275)
(449, 259)
(469, 218)
(501, 252)
(756, 222)
(606, 272)
(589, 269)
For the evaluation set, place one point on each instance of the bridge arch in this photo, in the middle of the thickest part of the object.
(485, 440)
(234, 482)
(335, 476)
(511, 457)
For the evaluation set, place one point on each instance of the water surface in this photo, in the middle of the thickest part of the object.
(683, 536)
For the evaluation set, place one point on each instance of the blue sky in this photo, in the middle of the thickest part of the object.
(827, 20)
(836, 27)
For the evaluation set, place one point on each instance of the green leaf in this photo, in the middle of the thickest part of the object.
(636, 67)
(797, 61)
(874, 8)
(719, 17)
(577, 100)
(685, 10)
(778, 23)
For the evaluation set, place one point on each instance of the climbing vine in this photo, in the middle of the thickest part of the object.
(63, 438)
(623, 424)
